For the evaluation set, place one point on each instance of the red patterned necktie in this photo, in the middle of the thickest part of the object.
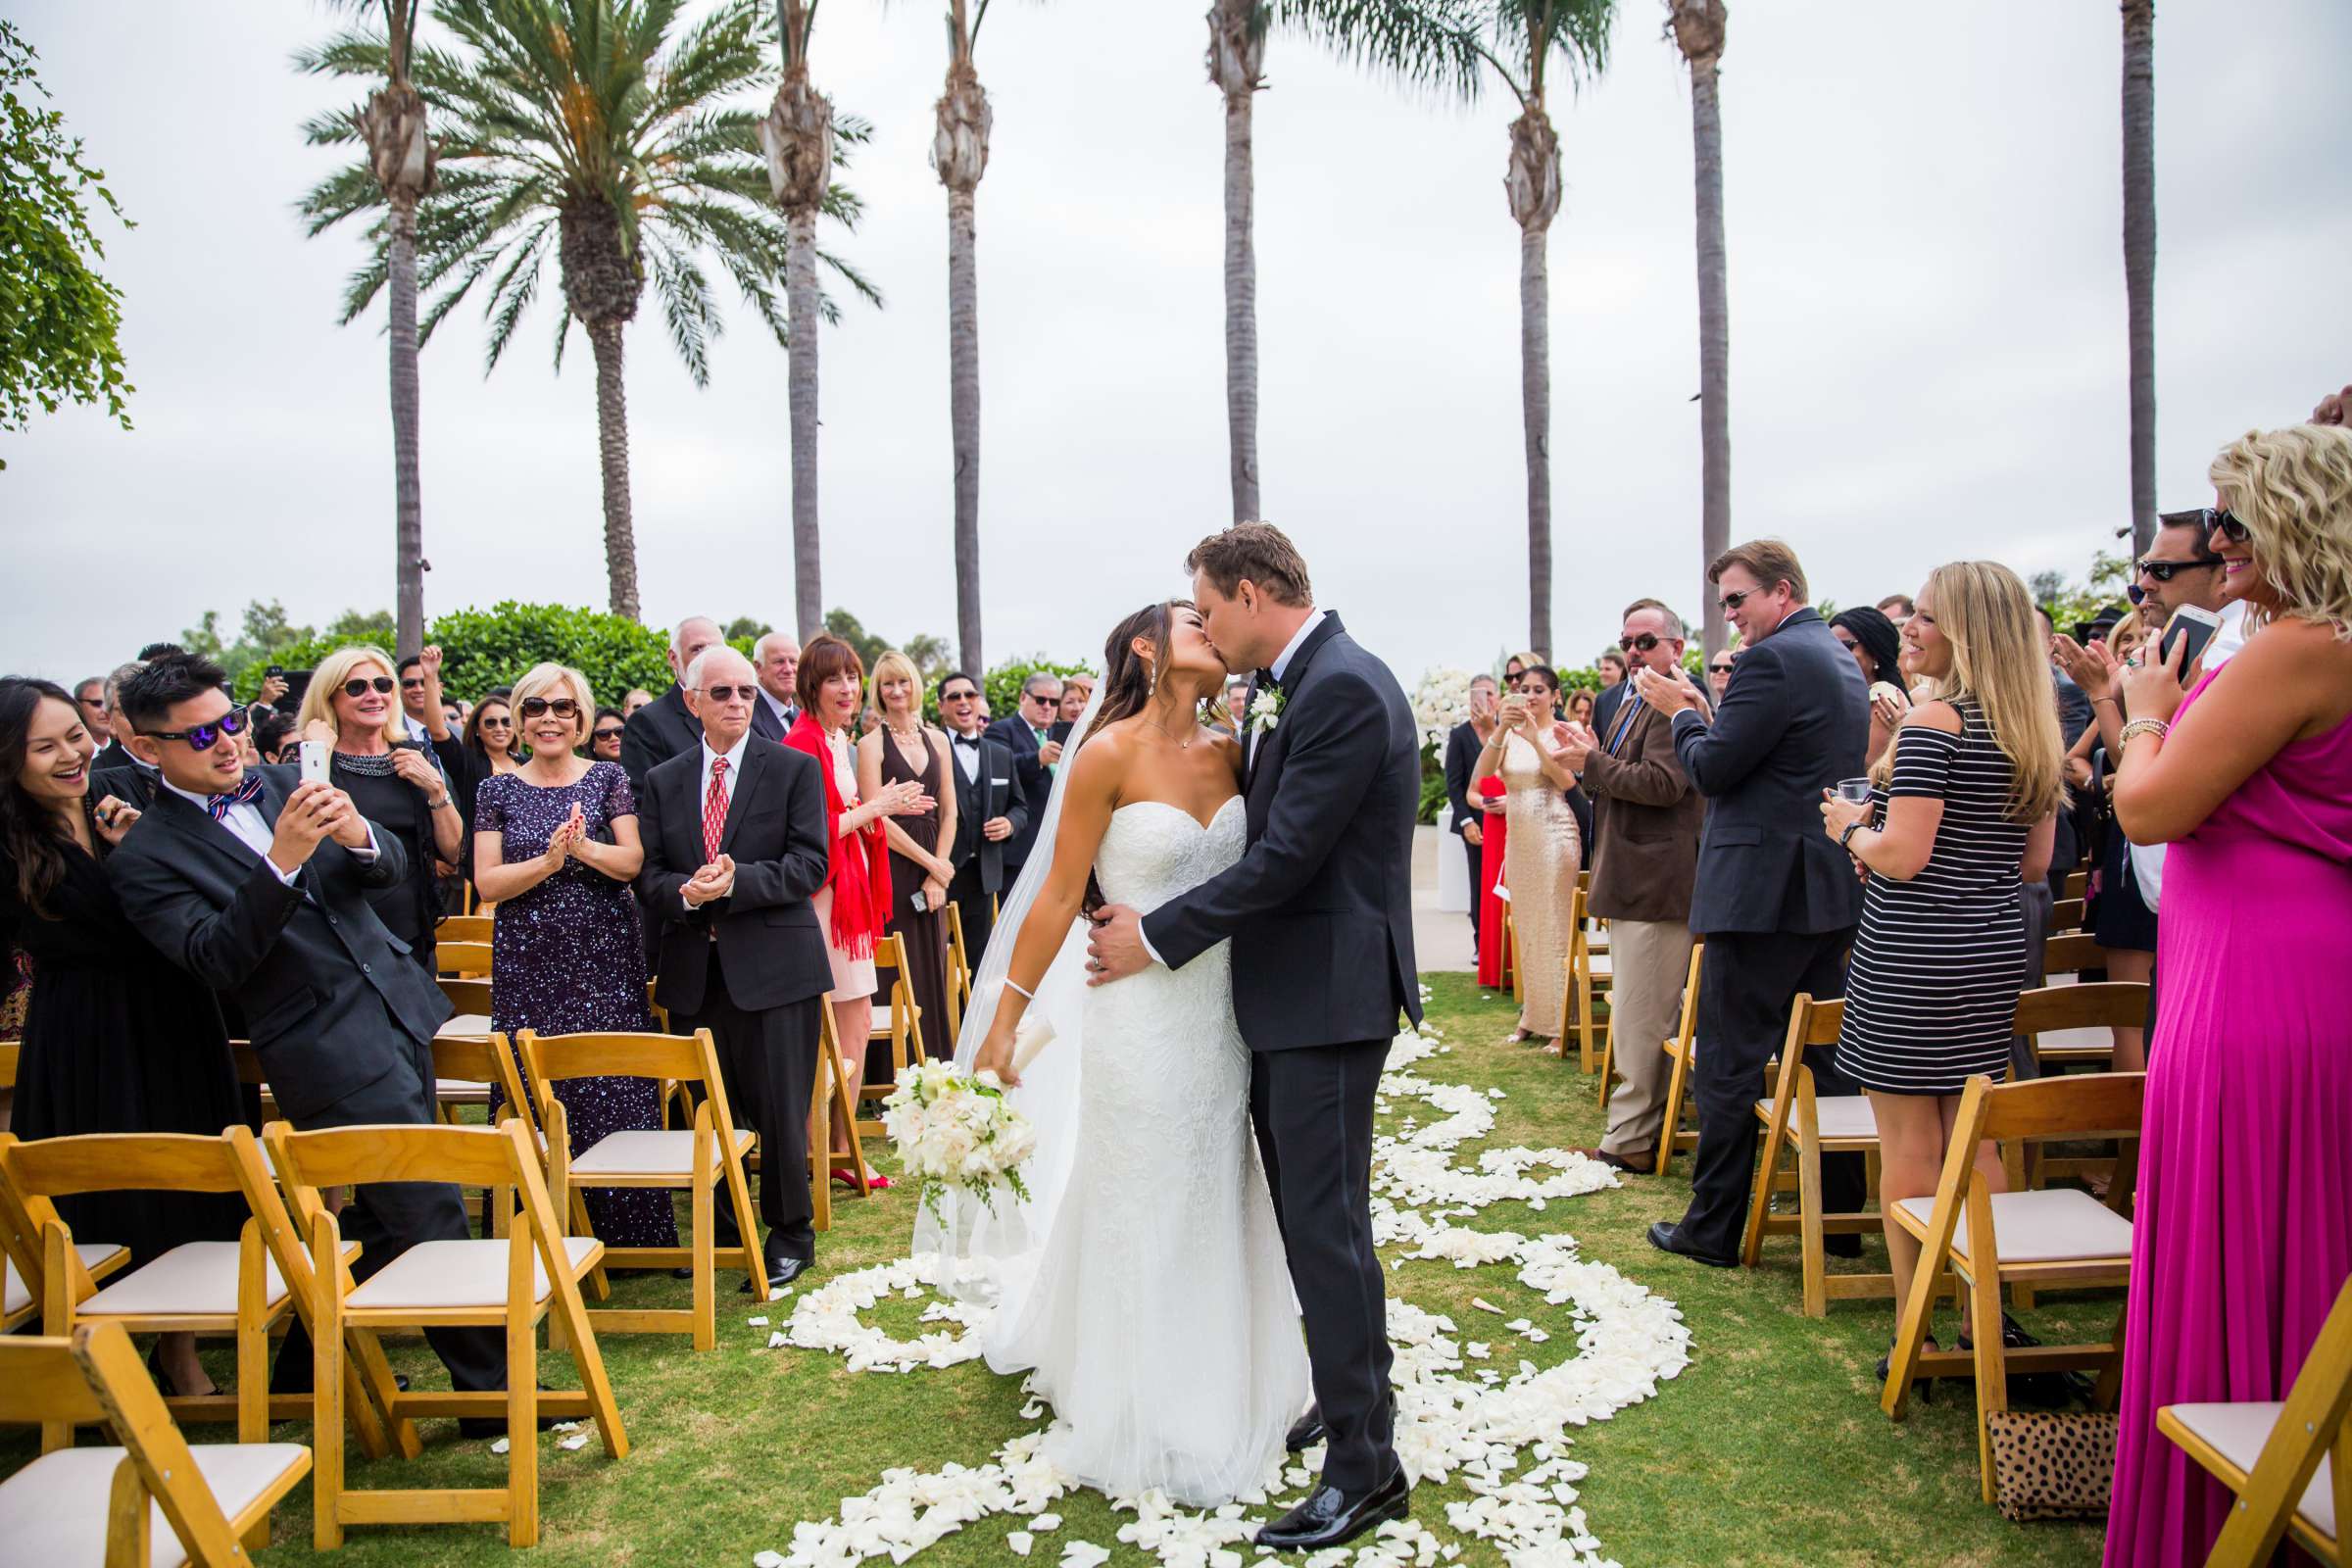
(714, 808)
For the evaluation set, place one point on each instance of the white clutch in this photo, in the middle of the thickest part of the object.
(1032, 1035)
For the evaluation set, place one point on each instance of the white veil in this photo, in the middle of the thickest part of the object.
(966, 1231)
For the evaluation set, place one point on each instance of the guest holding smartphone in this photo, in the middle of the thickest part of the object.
(1545, 848)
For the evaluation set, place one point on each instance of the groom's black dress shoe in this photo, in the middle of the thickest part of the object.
(781, 1271)
(1330, 1517)
(1664, 1238)
(1308, 1432)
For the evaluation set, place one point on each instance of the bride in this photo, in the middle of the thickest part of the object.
(1143, 1283)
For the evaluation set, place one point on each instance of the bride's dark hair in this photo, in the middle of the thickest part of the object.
(1128, 678)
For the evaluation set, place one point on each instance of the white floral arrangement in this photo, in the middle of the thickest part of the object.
(952, 1129)
(1441, 702)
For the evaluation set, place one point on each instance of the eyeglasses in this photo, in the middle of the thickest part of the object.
(1637, 645)
(561, 708)
(2164, 570)
(203, 737)
(1039, 699)
(359, 685)
(728, 694)
(608, 734)
(1732, 602)
(1719, 669)
(497, 723)
(2226, 523)
(958, 696)
(412, 683)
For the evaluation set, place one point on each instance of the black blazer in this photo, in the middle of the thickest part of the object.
(130, 783)
(769, 944)
(1462, 747)
(1014, 733)
(999, 793)
(1604, 708)
(764, 722)
(1320, 910)
(333, 1001)
(1795, 721)
(659, 732)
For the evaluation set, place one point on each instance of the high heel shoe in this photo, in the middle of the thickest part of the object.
(1923, 1387)
(168, 1389)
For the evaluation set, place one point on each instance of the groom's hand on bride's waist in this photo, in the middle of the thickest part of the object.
(1115, 949)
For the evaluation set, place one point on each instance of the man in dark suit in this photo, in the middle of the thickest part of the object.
(257, 885)
(1604, 705)
(776, 658)
(1319, 910)
(1027, 736)
(1776, 901)
(735, 848)
(665, 726)
(1462, 745)
(992, 809)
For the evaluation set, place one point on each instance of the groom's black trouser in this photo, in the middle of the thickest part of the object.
(1312, 1108)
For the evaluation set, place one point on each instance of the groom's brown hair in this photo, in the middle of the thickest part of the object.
(1260, 551)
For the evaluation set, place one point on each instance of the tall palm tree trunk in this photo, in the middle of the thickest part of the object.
(407, 502)
(960, 152)
(1534, 187)
(1237, 55)
(2140, 257)
(800, 291)
(613, 454)
(1698, 26)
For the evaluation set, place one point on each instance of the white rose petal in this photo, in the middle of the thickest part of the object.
(1020, 1540)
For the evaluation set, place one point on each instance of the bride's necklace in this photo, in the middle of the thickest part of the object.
(1184, 745)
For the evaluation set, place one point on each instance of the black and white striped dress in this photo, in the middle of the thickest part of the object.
(1930, 1000)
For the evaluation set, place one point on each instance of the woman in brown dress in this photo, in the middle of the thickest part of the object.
(902, 749)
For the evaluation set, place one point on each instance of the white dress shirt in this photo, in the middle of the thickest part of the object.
(965, 749)
(252, 829)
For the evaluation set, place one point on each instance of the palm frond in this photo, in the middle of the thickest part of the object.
(1430, 44)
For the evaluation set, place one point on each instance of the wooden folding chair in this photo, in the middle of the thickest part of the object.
(20, 1256)
(463, 959)
(508, 1283)
(1811, 1125)
(154, 1500)
(695, 1160)
(903, 1027)
(2289, 1461)
(2071, 1026)
(1683, 1052)
(2067, 915)
(1589, 974)
(463, 928)
(2077, 883)
(2085, 1044)
(1511, 976)
(832, 1100)
(2057, 1236)
(960, 969)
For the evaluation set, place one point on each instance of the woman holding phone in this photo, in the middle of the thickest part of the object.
(1543, 849)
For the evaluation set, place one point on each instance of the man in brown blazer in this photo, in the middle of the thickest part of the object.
(1648, 818)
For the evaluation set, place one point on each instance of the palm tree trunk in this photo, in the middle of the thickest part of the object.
(2140, 257)
(1535, 398)
(800, 291)
(963, 403)
(1714, 338)
(613, 450)
(407, 504)
(1237, 55)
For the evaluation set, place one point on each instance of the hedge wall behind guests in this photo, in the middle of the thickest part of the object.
(485, 648)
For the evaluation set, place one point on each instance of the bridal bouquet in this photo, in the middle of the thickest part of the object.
(952, 1129)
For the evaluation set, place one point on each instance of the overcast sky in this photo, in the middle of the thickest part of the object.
(1928, 330)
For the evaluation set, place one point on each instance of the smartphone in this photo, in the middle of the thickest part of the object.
(2192, 626)
(1060, 730)
(314, 761)
(275, 671)
(921, 900)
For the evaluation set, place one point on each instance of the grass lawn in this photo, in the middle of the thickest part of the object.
(1769, 1449)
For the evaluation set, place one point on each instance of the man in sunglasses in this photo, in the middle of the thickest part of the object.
(257, 884)
(1029, 736)
(2179, 569)
(992, 809)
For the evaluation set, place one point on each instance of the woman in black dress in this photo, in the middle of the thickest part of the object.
(117, 1038)
(902, 749)
(398, 784)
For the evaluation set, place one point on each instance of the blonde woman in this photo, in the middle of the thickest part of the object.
(902, 749)
(1542, 849)
(353, 706)
(1963, 815)
(556, 847)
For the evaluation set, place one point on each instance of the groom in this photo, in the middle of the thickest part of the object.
(1320, 911)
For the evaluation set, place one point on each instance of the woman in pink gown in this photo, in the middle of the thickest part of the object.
(2243, 1231)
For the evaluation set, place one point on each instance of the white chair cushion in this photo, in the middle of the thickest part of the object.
(1845, 1116)
(2092, 1039)
(192, 1277)
(461, 1090)
(435, 1275)
(645, 1153)
(2237, 1432)
(17, 1295)
(464, 1026)
(53, 1511)
(2056, 1225)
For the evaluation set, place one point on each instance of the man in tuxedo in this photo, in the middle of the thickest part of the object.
(1776, 901)
(777, 658)
(1647, 853)
(991, 811)
(1027, 735)
(664, 727)
(1319, 910)
(257, 885)
(1462, 745)
(735, 848)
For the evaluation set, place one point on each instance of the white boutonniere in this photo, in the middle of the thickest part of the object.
(1265, 710)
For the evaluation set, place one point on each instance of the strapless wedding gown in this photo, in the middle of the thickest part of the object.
(1160, 1319)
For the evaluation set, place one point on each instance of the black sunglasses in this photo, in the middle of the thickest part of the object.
(204, 737)
(727, 694)
(1720, 669)
(608, 734)
(958, 696)
(2226, 523)
(1641, 644)
(1732, 602)
(358, 685)
(497, 723)
(1040, 698)
(561, 708)
(412, 683)
(2164, 570)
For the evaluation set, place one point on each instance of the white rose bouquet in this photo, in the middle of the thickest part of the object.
(952, 1129)
(1442, 702)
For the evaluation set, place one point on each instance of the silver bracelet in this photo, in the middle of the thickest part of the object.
(1010, 984)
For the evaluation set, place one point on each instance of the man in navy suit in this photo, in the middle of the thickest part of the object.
(1777, 903)
(1028, 736)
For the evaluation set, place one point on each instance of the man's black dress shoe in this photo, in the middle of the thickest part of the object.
(781, 1271)
(1664, 1238)
(1307, 1431)
(1330, 1517)
(1842, 1246)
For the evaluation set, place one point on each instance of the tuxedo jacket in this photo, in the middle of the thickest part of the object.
(130, 783)
(1649, 818)
(1795, 721)
(769, 942)
(1462, 747)
(1014, 733)
(1320, 907)
(998, 792)
(659, 732)
(333, 1001)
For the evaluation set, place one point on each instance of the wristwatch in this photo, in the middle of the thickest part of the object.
(1846, 839)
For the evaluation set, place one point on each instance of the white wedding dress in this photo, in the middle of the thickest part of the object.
(1157, 1314)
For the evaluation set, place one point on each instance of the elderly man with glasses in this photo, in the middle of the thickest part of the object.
(992, 809)
(1028, 736)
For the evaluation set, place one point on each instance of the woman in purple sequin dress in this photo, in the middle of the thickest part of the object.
(555, 848)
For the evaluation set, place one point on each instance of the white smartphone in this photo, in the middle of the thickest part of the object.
(921, 900)
(2194, 625)
(314, 761)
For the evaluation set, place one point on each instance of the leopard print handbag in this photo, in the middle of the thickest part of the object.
(2052, 1464)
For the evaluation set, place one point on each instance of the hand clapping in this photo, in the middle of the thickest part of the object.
(1667, 696)
(712, 881)
(563, 844)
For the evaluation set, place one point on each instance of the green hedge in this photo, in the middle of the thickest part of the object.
(485, 648)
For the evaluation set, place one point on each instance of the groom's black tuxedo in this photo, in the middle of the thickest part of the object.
(1320, 912)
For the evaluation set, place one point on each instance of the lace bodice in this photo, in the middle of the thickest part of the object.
(1152, 851)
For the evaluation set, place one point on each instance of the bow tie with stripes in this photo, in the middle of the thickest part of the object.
(244, 794)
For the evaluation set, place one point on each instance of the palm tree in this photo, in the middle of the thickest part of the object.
(1237, 67)
(593, 129)
(1697, 27)
(2140, 257)
(400, 156)
(960, 154)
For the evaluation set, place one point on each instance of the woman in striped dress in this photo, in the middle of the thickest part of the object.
(1963, 813)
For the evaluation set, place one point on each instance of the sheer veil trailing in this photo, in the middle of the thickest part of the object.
(966, 1231)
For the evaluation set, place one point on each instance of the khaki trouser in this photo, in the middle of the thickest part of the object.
(1651, 962)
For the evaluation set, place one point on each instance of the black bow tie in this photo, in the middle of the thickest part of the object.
(1268, 681)
(972, 741)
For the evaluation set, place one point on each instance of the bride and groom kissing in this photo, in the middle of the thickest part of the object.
(1214, 936)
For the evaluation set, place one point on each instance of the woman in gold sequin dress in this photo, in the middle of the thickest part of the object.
(1543, 851)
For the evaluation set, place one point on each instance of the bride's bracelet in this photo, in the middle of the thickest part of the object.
(1027, 995)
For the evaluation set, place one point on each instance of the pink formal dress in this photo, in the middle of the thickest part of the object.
(2244, 1224)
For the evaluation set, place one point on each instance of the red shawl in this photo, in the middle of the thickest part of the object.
(860, 882)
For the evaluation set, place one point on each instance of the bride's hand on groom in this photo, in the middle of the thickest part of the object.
(1114, 948)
